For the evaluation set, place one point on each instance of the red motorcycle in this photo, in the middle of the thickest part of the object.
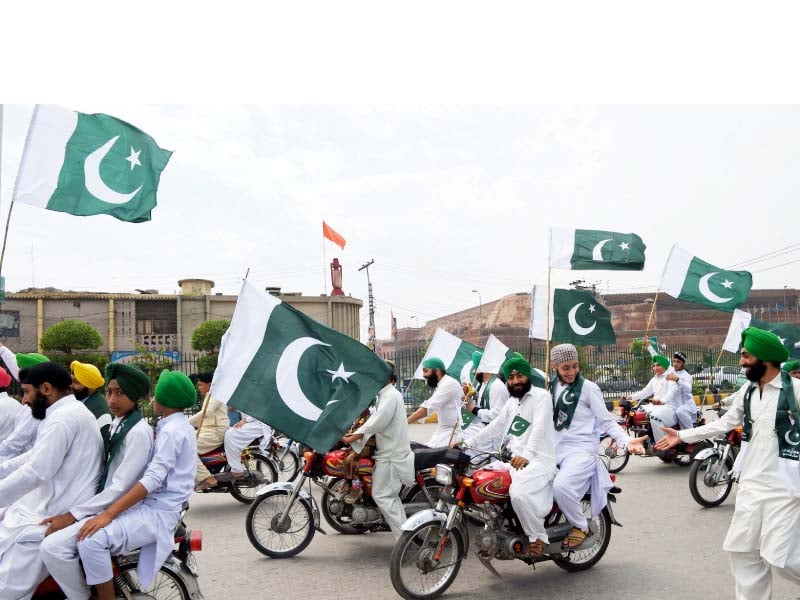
(637, 423)
(428, 555)
(259, 471)
(283, 518)
(176, 580)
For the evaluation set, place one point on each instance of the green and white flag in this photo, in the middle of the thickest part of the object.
(494, 355)
(454, 352)
(89, 165)
(686, 277)
(741, 320)
(518, 426)
(293, 373)
(576, 317)
(593, 249)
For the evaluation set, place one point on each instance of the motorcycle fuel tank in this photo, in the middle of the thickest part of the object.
(490, 486)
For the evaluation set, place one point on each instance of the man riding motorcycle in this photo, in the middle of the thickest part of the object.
(686, 413)
(665, 394)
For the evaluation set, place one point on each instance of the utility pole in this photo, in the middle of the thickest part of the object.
(365, 267)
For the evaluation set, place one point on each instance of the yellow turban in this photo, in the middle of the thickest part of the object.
(87, 374)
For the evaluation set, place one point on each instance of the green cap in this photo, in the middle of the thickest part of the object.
(434, 363)
(662, 361)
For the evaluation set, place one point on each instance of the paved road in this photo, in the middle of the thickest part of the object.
(668, 547)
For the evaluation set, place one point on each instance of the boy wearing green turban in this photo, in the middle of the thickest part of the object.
(763, 533)
(666, 397)
(792, 367)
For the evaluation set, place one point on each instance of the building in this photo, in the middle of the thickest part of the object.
(157, 322)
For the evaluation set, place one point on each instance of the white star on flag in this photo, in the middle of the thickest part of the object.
(727, 284)
(340, 373)
(134, 158)
(592, 308)
(625, 246)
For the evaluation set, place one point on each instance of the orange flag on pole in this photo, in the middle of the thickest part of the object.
(329, 233)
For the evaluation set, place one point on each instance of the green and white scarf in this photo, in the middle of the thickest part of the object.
(564, 406)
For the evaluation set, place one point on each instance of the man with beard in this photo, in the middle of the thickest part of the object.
(86, 384)
(763, 530)
(445, 402)
(25, 426)
(665, 397)
(686, 413)
(792, 367)
(579, 415)
(211, 422)
(58, 473)
(129, 451)
(527, 420)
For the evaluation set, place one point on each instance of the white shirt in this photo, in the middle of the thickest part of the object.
(10, 410)
(126, 468)
(169, 478)
(446, 403)
(685, 389)
(537, 443)
(389, 426)
(660, 388)
(60, 471)
(22, 438)
(498, 396)
(10, 360)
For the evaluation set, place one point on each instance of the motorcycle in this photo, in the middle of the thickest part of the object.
(284, 456)
(427, 557)
(637, 423)
(259, 472)
(284, 517)
(711, 477)
(176, 580)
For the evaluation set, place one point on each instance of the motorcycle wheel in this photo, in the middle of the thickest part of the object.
(704, 482)
(588, 557)
(610, 451)
(247, 492)
(165, 586)
(340, 522)
(263, 528)
(414, 574)
(686, 460)
(416, 494)
(287, 464)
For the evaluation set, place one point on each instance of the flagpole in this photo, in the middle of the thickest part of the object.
(547, 331)
(5, 235)
(324, 263)
(711, 377)
(650, 320)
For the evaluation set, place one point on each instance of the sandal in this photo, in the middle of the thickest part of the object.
(204, 485)
(534, 549)
(574, 539)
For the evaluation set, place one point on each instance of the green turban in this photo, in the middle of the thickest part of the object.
(133, 381)
(518, 355)
(764, 345)
(26, 361)
(792, 365)
(476, 358)
(175, 390)
(520, 365)
(434, 363)
(662, 361)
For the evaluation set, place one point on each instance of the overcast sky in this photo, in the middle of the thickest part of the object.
(446, 199)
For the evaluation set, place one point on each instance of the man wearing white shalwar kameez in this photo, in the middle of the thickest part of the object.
(763, 531)
(666, 398)
(579, 416)
(445, 402)
(686, 413)
(23, 436)
(527, 420)
(146, 515)
(130, 451)
(394, 460)
(59, 472)
(10, 409)
(490, 399)
(238, 437)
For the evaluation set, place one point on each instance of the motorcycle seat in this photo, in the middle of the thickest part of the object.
(426, 458)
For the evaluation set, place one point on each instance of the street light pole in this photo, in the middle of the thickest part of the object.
(416, 334)
(785, 307)
(480, 317)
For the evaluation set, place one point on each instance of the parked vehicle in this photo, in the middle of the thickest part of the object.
(615, 383)
(722, 377)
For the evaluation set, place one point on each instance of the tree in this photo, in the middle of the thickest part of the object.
(67, 336)
(207, 338)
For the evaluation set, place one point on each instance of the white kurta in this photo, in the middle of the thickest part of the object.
(580, 467)
(22, 438)
(10, 360)
(531, 488)
(60, 471)
(60, 549)
(237, 439)
(394, 460)
(497, 396)
(10, 410)
(149, 525)
(686, 413)
(446, 403)
(660, 388)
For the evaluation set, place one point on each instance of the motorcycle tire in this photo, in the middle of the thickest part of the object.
(585, 559)
(416, 494)
(338, 522)
(618, 462)
(247, 492)
(287, 464)
(166, 585)
(261, 520)
(697, 481)
(413, 549)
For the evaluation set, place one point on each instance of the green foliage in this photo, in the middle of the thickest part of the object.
(69, 335)
(642, 363)
(207, 362)
(207, 336)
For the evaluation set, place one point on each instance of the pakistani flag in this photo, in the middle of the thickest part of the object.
(518, 426)
(293, 373)
(576, 317)
(686, 277)
(89, 165)
(741, 320)
(494, 355)
(593, 249)
(454, 352)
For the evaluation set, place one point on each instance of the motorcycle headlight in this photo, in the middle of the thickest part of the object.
(444, 474)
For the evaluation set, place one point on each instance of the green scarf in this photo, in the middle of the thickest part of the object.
(564, 406)
(115, 443)
(787, 421)
(484, 399)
